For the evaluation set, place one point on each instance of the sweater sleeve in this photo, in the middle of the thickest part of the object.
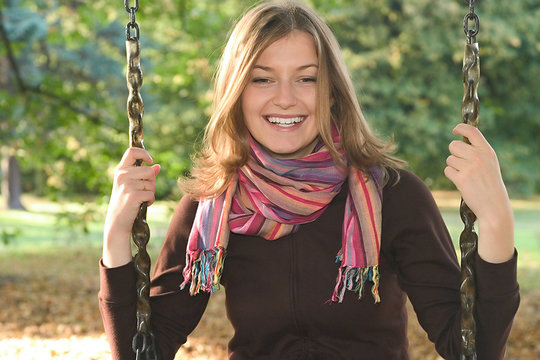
(429, 272)
(175, 313)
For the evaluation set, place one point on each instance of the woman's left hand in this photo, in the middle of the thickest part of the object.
(475, 171)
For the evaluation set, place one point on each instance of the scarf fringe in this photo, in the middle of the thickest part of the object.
(354, 278)
(203, 269)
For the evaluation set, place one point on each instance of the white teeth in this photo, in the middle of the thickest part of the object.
(285, 121)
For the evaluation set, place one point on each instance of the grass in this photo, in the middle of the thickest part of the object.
(526, 230)
(47, 226)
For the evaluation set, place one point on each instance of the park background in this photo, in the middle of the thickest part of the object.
(63, 128)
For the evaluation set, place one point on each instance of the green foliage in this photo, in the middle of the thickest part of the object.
(9, 235)
(69, 126)
(78, 222)
(61, 95)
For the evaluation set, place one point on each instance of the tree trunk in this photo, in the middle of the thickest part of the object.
(11, 181)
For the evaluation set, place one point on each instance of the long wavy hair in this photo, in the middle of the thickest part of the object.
(225, 147)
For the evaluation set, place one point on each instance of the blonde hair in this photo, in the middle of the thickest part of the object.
(225, 146)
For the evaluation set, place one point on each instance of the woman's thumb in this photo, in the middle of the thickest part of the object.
(157, 169)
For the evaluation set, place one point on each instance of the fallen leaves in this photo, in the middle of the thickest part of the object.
(48, 296)
(49, 310)
(73, 347)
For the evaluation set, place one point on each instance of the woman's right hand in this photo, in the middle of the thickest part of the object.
(132, 186)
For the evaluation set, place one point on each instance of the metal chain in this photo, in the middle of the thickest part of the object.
(468, 240)
(132, 24)
(471, 17)
(143, 343)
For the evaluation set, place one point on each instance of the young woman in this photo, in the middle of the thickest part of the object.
(314, 229)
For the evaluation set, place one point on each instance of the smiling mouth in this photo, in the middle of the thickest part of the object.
(285, 122)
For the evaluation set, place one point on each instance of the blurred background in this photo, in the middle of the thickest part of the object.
(63, 128)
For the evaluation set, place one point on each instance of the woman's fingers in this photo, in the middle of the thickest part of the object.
(460, 149)
(125, 174)
(136, 172)
(456, 162)
(471, 157)
(133, 154)
(135, 184)
(474, 169)
(148, 186)
(142, 196)
(476, 138)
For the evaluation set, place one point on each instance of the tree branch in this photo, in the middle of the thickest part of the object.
(24, 88)
(11, 56)
(95, 119)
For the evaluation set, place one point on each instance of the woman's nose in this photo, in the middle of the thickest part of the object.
(285, 96)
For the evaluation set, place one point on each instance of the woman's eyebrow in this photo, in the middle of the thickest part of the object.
(269, 68)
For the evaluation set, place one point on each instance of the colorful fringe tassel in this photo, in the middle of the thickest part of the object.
(353, 278)
(203, 269)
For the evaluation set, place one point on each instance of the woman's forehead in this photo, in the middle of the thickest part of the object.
(298, 47)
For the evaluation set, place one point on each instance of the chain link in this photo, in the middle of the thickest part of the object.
(132, 24)
(471, 19)
(128, 8)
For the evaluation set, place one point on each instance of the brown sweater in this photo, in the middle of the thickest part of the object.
(277, 291)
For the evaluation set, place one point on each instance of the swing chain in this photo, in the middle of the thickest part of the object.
(468, 240)
(143, 343)
(471, 19)
(132, 24)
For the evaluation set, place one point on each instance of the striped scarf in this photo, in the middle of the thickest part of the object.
(271, 198)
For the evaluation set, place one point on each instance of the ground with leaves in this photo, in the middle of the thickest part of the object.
(49, 311)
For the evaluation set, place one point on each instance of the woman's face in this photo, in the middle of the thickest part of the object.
(279, 101)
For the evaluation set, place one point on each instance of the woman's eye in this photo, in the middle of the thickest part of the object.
(308, 79)
(258, 80)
